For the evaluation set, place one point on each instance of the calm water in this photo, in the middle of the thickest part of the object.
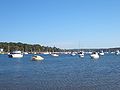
(60, 73)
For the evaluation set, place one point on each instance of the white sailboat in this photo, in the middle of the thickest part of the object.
(25, 53)
(46, 53)
(117, 52)
(95, 55)
(101, 53)
(73, 53)
(81, 54)
(54, 54)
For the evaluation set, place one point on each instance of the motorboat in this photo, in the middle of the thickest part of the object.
(65, 52)
(37, 58)
(55, 55)
(46, 53)
(117, 52)
(25, 52)
(16, 54)
(73, 53)
(81, 54)
(95, 55)
(112, 52)
(101, 53)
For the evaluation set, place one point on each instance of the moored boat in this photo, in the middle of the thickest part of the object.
(16, 54)
(46, 53)
(55, 55)
(117, 52)
(73, 53)
(25, 53)
(101, 53)
(37, 58)
(81, 54)
(95, 55)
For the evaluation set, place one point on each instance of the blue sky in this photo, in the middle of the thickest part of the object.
(61, 23)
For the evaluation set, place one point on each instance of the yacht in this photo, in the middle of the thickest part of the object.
(37, 58)
(81, 54)
(95, 55)
(46, 53)
(117, 52)
(73, 53)
(25, 52)
(101, 53)
(55, 55)
(65, 52)
(16, 54)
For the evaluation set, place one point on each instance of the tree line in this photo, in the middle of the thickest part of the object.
(11, 46)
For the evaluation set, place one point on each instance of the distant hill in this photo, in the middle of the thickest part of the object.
(11, 46)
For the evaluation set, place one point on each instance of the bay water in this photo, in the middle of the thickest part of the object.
(65, 72)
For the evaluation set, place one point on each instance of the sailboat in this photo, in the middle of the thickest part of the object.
(81, 54)
(94, 55)
(117, 52)
(46, 53)
(101, 53)
(54, 54)
(73, 53)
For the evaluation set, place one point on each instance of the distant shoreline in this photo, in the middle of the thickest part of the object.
(11, 46)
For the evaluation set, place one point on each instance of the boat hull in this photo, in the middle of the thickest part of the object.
(37, 58)
(15, 55)
(55, 55)
(94, 56)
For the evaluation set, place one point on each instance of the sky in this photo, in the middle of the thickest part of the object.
(65, 24)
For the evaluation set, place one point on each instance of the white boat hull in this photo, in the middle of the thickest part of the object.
(15, 55)
(73, 54)
(37, 58)
(117, 52)
(46, 53)
(101, 54)
(81, 55)
(55, 55)
(95, 56)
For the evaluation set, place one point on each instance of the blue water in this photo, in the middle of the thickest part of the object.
(60, 73)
